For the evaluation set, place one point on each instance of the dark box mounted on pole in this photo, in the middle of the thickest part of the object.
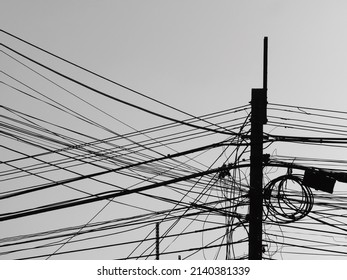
(259, 104)
(319, 180)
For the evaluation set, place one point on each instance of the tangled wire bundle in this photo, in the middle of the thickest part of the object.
(286, 199)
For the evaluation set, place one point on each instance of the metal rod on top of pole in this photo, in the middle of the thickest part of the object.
(265, 64)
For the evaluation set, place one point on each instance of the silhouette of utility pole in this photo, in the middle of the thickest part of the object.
(157, 241)
(258, 119)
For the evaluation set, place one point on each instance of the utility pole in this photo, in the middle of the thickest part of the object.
(258, 119)
(157, 242)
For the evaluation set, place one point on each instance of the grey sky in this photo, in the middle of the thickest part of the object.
(198, 56)
(191, 49)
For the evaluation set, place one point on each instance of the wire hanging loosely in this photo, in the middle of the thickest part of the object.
(287, 200)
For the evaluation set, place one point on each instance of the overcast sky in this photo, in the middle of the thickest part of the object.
(198, 56)
(206, 53)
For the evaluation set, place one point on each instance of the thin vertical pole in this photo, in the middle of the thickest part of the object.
(157, 241)
(265, 62)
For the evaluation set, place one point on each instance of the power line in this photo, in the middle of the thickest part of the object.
(115, 98)
(98, 75)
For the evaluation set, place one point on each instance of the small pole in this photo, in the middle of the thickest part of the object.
(265, 62)
(157, 241)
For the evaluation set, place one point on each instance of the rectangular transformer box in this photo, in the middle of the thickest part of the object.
(319, 180)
